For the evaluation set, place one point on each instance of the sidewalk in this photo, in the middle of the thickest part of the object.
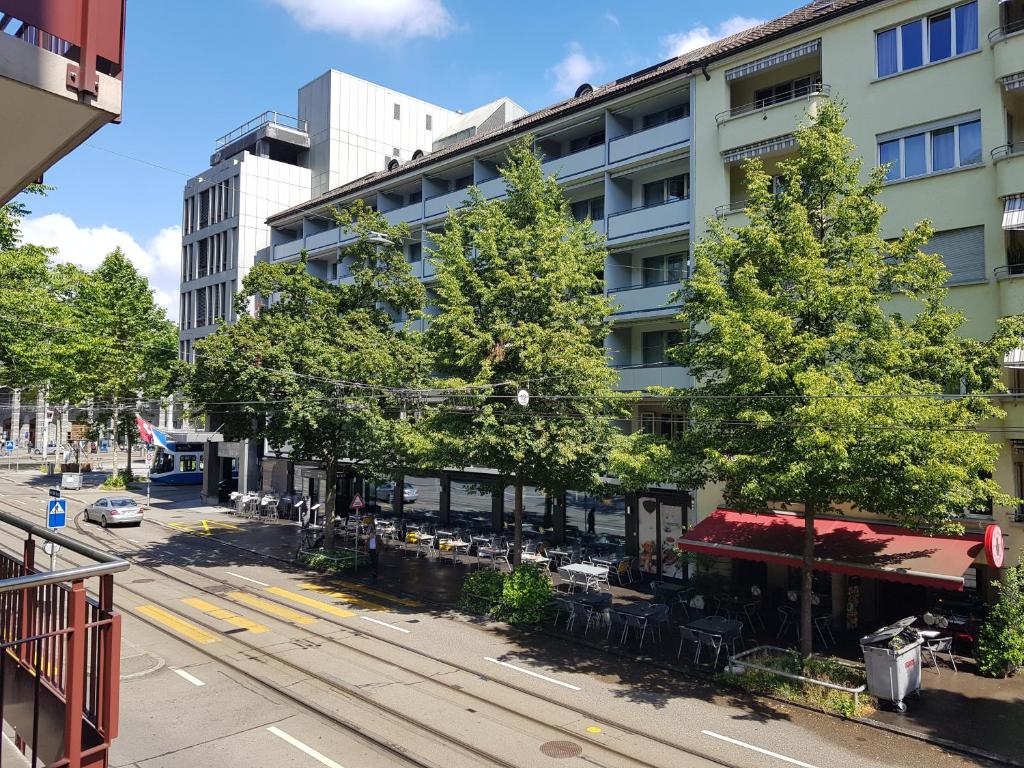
(961, 711)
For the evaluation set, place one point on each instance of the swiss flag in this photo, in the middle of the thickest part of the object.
(145, 429)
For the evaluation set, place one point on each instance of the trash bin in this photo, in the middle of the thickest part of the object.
(71, 481)
(892, 661)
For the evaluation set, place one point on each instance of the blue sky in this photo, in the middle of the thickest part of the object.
(195, 70)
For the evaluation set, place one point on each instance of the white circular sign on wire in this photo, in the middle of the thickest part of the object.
(523, 397)
(51, 547)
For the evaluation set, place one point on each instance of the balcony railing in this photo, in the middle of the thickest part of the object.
(818, 89)
(730, 208)
(1005, 30)
(1006, 150)
(276, 118)
(1007, 271)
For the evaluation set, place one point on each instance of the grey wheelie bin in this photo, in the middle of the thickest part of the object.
(892, 660)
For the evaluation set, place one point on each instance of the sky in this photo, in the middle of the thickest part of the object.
(196, 70)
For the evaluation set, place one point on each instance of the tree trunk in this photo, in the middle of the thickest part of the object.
(329, 503)
(128, 445)
(113, 448)
(517, 525)
(398, 497)
(806, 582)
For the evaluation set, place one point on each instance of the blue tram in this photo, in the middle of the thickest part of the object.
(177, 464)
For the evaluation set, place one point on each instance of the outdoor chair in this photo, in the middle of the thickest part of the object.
(563, 606)
(687, 635)
(616, 619)
(940, 645)
(711, 642)
(661, 616)
(579, 612)
(622, 571)
(696, 607)
(787, 616)
(638, 623)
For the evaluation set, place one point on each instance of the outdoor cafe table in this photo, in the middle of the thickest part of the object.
(730, 629)
(531, 557)
(590, 573)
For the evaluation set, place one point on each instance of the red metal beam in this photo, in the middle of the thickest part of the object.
(74, 693)
(64, 18)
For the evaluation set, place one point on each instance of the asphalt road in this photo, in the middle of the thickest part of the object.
(232, 660)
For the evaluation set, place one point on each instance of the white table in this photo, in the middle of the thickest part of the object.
(532, 557)
(582, 573)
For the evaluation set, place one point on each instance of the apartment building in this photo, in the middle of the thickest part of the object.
(936, 88)
(346, 128)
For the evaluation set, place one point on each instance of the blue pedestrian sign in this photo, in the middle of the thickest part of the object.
(56, 513)
(9, 446)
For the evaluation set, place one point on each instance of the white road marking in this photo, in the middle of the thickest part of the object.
(191, 678)
(323, 759)
(384, 624)
(751, 747)
(246, 578)
(533, 674)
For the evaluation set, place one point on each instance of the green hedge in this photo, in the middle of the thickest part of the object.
(520, 597)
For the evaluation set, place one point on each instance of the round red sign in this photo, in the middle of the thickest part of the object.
(994, 546)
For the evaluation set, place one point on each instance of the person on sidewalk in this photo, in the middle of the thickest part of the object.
(591, 514)
(371, 547)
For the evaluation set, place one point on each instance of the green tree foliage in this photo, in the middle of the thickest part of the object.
(811, 388)
(11, 215)
(122, 347)
(320, 367)
(520, 304)
(1001, 640)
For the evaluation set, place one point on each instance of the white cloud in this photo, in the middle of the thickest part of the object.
(612, 18)
(700, 35)
(574, 69)
(385, 20)
(159, 259)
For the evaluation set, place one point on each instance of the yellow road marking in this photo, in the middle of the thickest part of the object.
(204, 527)
(225, 615)
(272, 608)
(189, 630)
(344, 596)
(309, 602)
(385, 596)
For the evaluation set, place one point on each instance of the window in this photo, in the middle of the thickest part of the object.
(187, 463)
(414, 197)
(668, 425)
(659, 270)
(430, 122)
(395, 152)
(586, 142)
(654, 193)
(791, 89)
(594, 208)
(464, 181)
(398, 111)
(666, 115)
(939, 149)
(927, 40)
(963, 253)
(415, 252)
(666, 190)
(656, 345)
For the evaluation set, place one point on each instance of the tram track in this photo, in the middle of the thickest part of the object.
(446, 738)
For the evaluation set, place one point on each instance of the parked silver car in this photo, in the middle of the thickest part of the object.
(114, 509)
(386, 492)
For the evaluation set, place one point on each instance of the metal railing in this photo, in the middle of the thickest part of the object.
(1007, 271)
(277, 118)
(737, 661)
(59, 652)
(1006, 150)
(727, 209)
(761, 105)
(1005, 30)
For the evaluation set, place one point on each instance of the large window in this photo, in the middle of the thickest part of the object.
(940, 149)
(592, 208)
(659, 270)
(657, 344)
(666, 190)
(932, 39)
(666, 115)
(791, 89)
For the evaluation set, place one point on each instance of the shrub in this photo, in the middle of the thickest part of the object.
(336, 560)
(526, 595)
(1001, 640)
(122, 479)
(481, 591)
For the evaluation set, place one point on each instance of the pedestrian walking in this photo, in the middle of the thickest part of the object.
(371, 547)
(591, 514)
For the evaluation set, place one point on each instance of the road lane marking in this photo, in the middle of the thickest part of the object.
(246, 578)
(272, 608)
(322, 759)
(384, 624)
(386, 596)
(204, 527)
(309, 602)
(533, 674)
(346, 597)
(191, 678)
(186, 628)
(225, 615)
(751, 747)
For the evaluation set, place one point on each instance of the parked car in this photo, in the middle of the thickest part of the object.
(386, 492)
(114, 509)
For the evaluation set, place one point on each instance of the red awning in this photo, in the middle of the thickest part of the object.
(844, 546)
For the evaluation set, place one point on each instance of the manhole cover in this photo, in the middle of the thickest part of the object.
(561, 749)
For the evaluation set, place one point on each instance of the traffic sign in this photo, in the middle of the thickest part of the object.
(56, 513)
(54, 493)
(51, 547)
(9, 446)
(357, 502)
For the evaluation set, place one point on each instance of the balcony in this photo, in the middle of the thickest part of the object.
(651, 300)
(287, 250)
(639, 144)
(61, 64)
(633, 378)
(1007, 48)
(1008, 271)
(492, 188)
(652, 221)
(438, 205)
(575, 164)
(1009, 163)
(406, 214)
(759, 121)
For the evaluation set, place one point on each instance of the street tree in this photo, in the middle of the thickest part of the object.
(520, 306)
(320, 368)
(122, 347)
(823, 356)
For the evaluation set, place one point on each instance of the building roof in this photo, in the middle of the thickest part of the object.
(810, 15)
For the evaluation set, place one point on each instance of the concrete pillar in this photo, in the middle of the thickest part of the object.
(40, 438)
(558, 517)
(161, 419)
(170, 412)
(498, 508)
(445, 499)
(185, 425)
(16, 417)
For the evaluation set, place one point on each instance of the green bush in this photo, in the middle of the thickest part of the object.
(334, 561)
(1001, 640)
(481, 591)
(122, 479)
(526, 595)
